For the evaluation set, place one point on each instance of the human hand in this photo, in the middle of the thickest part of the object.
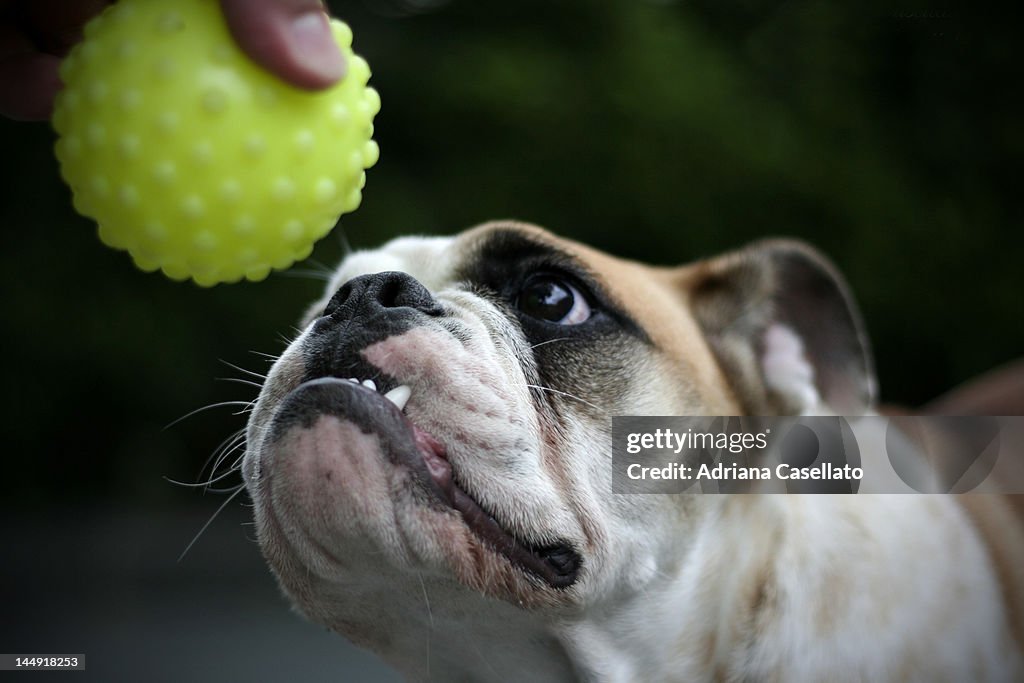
(289, 38)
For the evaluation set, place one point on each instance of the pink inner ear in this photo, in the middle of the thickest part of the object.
(787, 371)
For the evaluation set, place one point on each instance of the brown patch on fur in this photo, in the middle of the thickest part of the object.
(709, 641)
(757, 601)
(998, 392)
(1000, 521)
(828, 611)
(653, 298)
(909, 666)
(757, 605)
(765, 592)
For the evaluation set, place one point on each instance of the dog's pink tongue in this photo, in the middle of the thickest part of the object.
(434, 456)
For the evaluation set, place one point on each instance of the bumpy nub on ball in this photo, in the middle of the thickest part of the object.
(195, 160)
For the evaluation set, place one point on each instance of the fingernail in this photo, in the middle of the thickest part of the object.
(315, 49)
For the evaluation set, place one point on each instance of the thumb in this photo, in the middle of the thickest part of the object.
(290, 38)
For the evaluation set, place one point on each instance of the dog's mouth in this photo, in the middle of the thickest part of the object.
(380, 410)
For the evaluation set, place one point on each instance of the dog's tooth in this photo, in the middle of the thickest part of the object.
(353, 380)
(370, 384)
(399, 396)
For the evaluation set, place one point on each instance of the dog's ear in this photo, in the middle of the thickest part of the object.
(781, 322)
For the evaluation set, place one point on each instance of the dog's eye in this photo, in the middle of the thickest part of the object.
(554, 300)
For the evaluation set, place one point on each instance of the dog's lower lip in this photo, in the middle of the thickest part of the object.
(558, 565)
(434, 456)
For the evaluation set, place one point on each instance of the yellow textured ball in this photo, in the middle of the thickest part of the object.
(194, 159)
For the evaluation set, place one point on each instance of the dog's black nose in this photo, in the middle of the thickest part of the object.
(366, 310)
(368, 296)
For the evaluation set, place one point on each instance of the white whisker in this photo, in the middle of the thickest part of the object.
(239, 380)
(230, 442)
(306, 275)
(202, 484)
(222, 404)
(243, 370)
(564, 393)
(227, 448)
(551, 341)
(430, 616)
(346, 248)
(426, 600)
(219, 491)
(321, 266)
(239, 489)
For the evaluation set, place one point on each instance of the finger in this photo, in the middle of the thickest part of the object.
(58, 23)
(290, 38)
(28, 79)
(28, 85)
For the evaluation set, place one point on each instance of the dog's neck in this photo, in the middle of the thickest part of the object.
(455, 636)
(668, 627)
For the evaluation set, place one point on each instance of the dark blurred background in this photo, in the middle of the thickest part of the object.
(889, 134)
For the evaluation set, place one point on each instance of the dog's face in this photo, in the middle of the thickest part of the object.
(470, 460)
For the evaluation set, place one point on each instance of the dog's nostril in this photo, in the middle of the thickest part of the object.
(392, 289)
(392, 293)
(401, 290)
(340, 298)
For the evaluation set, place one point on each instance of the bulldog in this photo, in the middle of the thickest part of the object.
(430, 467)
